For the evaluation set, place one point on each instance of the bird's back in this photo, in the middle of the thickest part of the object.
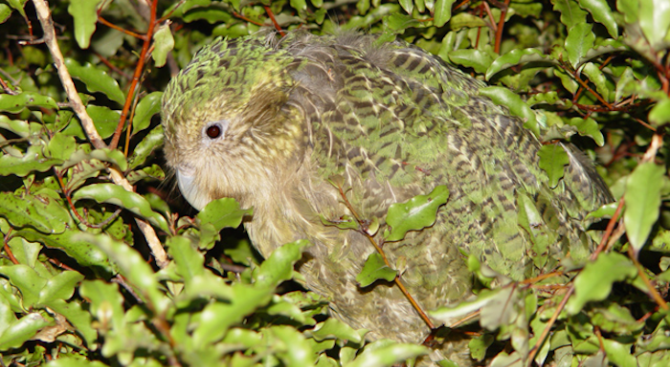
(395, 121)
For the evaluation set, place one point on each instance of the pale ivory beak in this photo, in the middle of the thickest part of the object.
(189, 187)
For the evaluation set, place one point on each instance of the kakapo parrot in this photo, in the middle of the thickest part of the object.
(279, 122)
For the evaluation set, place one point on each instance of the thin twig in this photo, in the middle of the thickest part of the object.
(8, 251)
(274, 21)
(586, 86)
(397, 279)
(44, 16)
(136, 77)
(501, 25)
(238, 15)
(115, 27)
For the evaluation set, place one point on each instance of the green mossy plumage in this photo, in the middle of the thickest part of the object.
(393, 122)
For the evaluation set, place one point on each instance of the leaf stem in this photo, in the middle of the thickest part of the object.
(397, 280)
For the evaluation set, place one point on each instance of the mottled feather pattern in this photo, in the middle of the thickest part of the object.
(392, 122)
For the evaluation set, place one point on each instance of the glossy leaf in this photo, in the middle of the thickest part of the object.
(505, 97)
(16, 103)
(442, 12)
(279, 266)
(553, 159)
(655, 20)
(163, 44)
(516, 57)
(96, 80)
(117, 195)
(148, 106)
(85, 19)
(415, 214)
(579, 41)
(375, 269)
(602, 13)
(643, 201)
(42, 212)
(595, 282)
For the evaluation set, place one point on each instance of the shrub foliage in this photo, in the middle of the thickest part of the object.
(103, 264)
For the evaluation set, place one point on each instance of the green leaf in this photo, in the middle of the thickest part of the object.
(117, 195)
(22, 330)
(588, 127)
(601, 13)
(133, 267)
(163, 44)
(660, 113)
(217, 317)
(476, 59)
(296, 350)
(408, 5)
(571, 13)
(42, 212)
(144, 148)
(16, 103)
(335, 329)
(105, 119)
(61, 146)
(32, 160)
(375, 269)
(85, 17)
(654, 19)
(595, 281)
(387, 355)
(517, 57)
(579, 41)
(82, 252)
(217, 215)
(597, 77)
(78, 317)
(505, 97)
(643, 201)
(298, 4)
(279, 266)
(619, 354)
(148, 106)
(417, 213)
(96, 80)
(553, 159)
(26, 280)
(190, 263)
(60, 286)
(479, 345)
(442, 12)
(106, 302)
(5, 12)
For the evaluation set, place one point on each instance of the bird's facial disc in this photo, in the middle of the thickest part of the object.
(187, 174)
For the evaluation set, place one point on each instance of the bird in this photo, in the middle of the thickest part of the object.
(310, 129)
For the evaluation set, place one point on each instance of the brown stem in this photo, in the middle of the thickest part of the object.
(397, 279)
(113, 26)
(274, 21)
(586, 86)
(136, 77)
(240, 16)
(501, 25)
(579, 91)
(650, 287)
(8, 251)
(44, 15)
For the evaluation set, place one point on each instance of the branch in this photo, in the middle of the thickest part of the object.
(44, 16)
(49, 38)
(397, 279)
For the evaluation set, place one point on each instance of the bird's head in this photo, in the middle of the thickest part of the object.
(228, 128)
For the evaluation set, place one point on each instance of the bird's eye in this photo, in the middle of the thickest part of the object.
(213, 131)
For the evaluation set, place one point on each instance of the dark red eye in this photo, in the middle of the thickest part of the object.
(214, 131)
